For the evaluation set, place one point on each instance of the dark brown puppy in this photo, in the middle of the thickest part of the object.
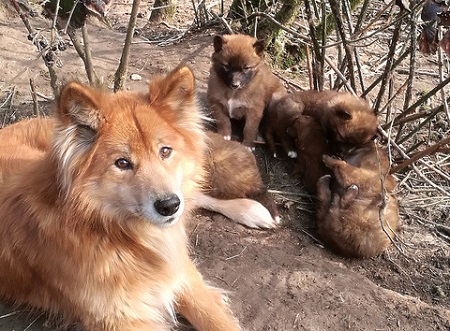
(234, 174)
(350, 202)
(311, 145)
(240, 85)
(346, 120)
(281, 115)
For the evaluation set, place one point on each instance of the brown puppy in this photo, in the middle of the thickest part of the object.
(281, 115)
(349, 203)
(233, 184)
(311, 145)
(346, 120)
(240, 85)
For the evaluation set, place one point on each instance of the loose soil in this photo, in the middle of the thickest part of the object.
(281, 279)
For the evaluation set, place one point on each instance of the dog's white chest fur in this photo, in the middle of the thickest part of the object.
(233, 104)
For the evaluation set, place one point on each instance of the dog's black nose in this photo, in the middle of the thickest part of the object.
(167, 206)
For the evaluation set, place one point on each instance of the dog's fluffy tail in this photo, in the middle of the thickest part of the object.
(248, 212)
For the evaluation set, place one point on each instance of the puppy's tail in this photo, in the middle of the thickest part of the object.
(248, 212)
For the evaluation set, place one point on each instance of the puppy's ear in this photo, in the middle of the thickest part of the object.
(259, 47)
(343, 114)
(218, 43)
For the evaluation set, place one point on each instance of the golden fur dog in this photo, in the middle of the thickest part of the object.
(92, 226)
(346, 120)
(310, 145)
(240, 85)
(280, 116)
(234, 186)
(350, 203)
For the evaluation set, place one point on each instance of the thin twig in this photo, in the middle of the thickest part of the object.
(403, 154)
(430, 150)
(394, 65)
(334, 4)
(121, 72)
(383, 204)
(412, 57)
(388, 68)
(425, 97)
(237, 255)
(340, 75)
(441, 77)
(50, 67)
(34, 97)
(419, 126)
(75, 3)
(300, 36)
(88, 63)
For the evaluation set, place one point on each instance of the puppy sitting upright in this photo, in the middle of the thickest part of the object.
(240, 85)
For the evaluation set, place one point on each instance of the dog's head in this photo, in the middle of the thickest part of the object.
(350, 122)
(128, 155)
(236, 59)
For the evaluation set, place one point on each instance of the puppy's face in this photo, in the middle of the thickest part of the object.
(236, 59)
(351, 122)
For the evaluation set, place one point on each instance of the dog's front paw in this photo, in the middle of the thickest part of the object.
(227, 137)
(292, 154)
(257, 216)
(250, 148)
(329, 161)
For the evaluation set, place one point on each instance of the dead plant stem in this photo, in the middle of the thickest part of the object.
(121, 72)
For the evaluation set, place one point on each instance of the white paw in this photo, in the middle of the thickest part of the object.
(278, 219)
(251, 149)
(257, 216)
(275, 155)
(292, 154)
(227, 137)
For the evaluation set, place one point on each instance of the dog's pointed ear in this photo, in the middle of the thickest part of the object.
(78, 105)
(218, 43)
(343, 114)
(259, 46)
(177, 89)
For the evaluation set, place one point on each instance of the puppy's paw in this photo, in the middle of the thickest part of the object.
(329, 161)
(277, 219)
(324, 181)
(250, 148)
(227, 137)
(349, 196)
(292, 154)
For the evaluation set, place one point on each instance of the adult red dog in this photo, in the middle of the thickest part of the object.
(92, 219)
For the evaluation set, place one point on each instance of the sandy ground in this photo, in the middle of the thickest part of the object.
(281, 279)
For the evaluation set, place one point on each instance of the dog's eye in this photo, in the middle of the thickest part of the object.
(165, 152)
(123, 164)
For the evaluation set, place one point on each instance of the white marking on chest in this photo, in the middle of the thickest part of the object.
(233, 104)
